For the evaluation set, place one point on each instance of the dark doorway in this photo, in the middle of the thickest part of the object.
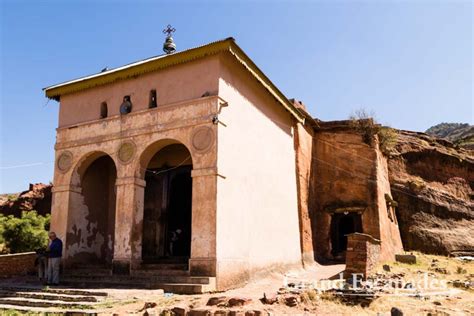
(342, 225)
(167, 214)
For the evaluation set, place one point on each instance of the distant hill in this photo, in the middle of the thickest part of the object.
(37, 197)
(461, 134)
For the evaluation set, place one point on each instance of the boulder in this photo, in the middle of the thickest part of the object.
(180, 310)
(395, 311)
(409, 259)
(239, 301)
(217, 300)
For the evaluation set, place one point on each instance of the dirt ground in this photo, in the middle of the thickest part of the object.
(452, 300)
(455, 298)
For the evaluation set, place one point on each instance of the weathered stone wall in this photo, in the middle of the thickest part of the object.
(343, 180)
(350, 176)
(144, 133)
(304, 150)
(389, 231)
(91, 227)
(17, 264)
(363, 254)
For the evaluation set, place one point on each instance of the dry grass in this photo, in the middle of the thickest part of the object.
(459, 303)
(313, 302)
(429, 263)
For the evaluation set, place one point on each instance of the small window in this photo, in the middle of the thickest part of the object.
(103, 110)
(152, 103)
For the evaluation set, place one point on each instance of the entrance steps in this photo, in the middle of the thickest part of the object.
(170, 277)
(42, 299)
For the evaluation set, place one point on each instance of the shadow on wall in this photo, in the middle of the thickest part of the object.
(91, 221)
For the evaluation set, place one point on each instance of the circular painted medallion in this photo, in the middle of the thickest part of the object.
(126, 151)
(64, 161)
(203, 138)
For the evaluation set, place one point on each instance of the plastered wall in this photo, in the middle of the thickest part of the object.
(179, 83)
(257, 207)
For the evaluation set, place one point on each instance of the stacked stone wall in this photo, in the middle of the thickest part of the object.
(363, 252)
(17, 264)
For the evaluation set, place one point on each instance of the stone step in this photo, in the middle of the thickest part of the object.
(148, 279)
(95, 283)
(143, 278)
(48, 296)
(53, 290)
(88, 271)
(27, 310)
(185, 288)
(164, 266)
(173, 287)
(159, 273)
(31, 302)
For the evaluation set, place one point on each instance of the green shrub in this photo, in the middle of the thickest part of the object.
(363, 122)
(417, 184)
(27, 233)
(388, 138)
(2, 241)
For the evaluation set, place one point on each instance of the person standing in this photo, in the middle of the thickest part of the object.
(41, 262)
(174, 242)
(55, 252)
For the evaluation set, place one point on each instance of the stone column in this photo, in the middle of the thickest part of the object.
(203, 229)
(128, 224)
(62, 201)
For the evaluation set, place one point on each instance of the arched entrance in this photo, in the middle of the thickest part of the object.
(90, 237)
(167, 210)
(342, 225)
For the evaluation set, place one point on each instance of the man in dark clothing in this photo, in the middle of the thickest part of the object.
(41, 262)
(55, 252)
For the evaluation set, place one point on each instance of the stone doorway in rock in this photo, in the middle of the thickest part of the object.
(167, 216)
(343, 224)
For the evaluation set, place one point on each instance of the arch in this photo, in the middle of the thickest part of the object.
(152, 149)
(91, 213)
(167, 212)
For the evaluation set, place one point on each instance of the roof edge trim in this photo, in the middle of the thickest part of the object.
(163, 61)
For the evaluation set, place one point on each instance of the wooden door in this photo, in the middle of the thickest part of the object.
(155, 216)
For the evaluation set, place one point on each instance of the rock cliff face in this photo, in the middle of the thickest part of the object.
(37, 198)
(432, 181)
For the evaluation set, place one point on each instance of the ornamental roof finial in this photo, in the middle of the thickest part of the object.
(169, 46)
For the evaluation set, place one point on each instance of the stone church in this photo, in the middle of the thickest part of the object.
(192, 168)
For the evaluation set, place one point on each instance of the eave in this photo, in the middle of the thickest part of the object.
(163, 61)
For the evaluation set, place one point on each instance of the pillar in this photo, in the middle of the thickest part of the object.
(128, 224)
(203, 229)
(62, 201)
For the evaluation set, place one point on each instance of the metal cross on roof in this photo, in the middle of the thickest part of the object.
(168, 30)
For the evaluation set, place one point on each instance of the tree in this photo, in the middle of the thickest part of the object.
(27, 233)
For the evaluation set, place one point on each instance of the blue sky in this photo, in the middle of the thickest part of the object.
(408, 61)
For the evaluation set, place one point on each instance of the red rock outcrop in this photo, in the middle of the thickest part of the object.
(432, 181)
(37, 198)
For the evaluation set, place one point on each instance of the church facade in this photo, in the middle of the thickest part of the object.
(196, 159)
